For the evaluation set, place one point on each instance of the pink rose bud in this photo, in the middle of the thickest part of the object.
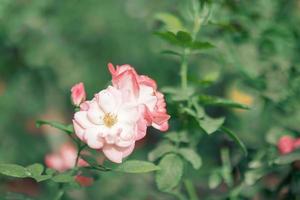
(285, 144)
(297, 143)
(78, 94)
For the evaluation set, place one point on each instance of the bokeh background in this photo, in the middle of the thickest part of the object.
(46, 46)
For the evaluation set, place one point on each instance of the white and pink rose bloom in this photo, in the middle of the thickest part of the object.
(119, 115)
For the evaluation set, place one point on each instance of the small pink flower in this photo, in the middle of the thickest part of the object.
(144, 91)
(109, 123)
(285, 144)
(297, 143)
(78, 94)
(64, 159)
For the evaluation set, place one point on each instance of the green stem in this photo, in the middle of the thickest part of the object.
(190, 189)
(187, 51)
(184, 68)
(60, 193)
(80, 148)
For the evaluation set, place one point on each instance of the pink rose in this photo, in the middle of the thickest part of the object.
(285, 144)
(78, 94)
(64, 159)
(144, 92)
(109, 123)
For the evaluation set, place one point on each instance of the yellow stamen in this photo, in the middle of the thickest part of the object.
(109, 120)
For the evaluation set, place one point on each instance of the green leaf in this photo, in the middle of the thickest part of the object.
(181, 38)
(170, 174)
(252, 176)
(172, 22)
(35, 169)
(216, 101)
(63, 178)
(197, 45)
(233, 136)
(184, 37)
(50, 171)
(170, 52)
(14, 170)
(288, 158)
(160, 150)
(210, 125)
(191, 156)
(136, 166)
(42, 178)
(215, 179)
(177, 137)
(66, 128)
(168, 37)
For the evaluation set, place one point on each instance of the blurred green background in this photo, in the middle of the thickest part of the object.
(46, 46)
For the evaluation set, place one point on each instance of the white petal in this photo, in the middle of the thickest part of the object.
(147, 97)
(108, 100)
(79, 131)
(128, 113)
(93, 138)
(95, 114)
(81, 118)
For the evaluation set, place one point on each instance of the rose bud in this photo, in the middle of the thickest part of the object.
(285, 144)
(78, 94)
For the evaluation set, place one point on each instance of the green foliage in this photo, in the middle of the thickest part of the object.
(170, 173)
(136, 166)
(65, 128)
(191, 156)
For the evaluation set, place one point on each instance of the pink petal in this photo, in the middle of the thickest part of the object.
(112, 153)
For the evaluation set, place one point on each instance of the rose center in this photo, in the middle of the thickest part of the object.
(109, 119)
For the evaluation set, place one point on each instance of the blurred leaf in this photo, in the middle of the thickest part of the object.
(191, 156)
(66, 128)
(35, 169)
(63, 178)
(288, 158)
(275, 134)
(177, 137)
(89, 159)
(170, 174)
(184, 37)
(41, 178)
(172, 22)
(136, 166)
(170, 52)
(181, 38)
(252, 176)
(14, 170)
(214, 180)
(190, 112)
(50, 171)
(210, 125)
(233, 136)
(217, 101)
(168, 37)
(160, 150)
(178, 94)
(197, 45)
